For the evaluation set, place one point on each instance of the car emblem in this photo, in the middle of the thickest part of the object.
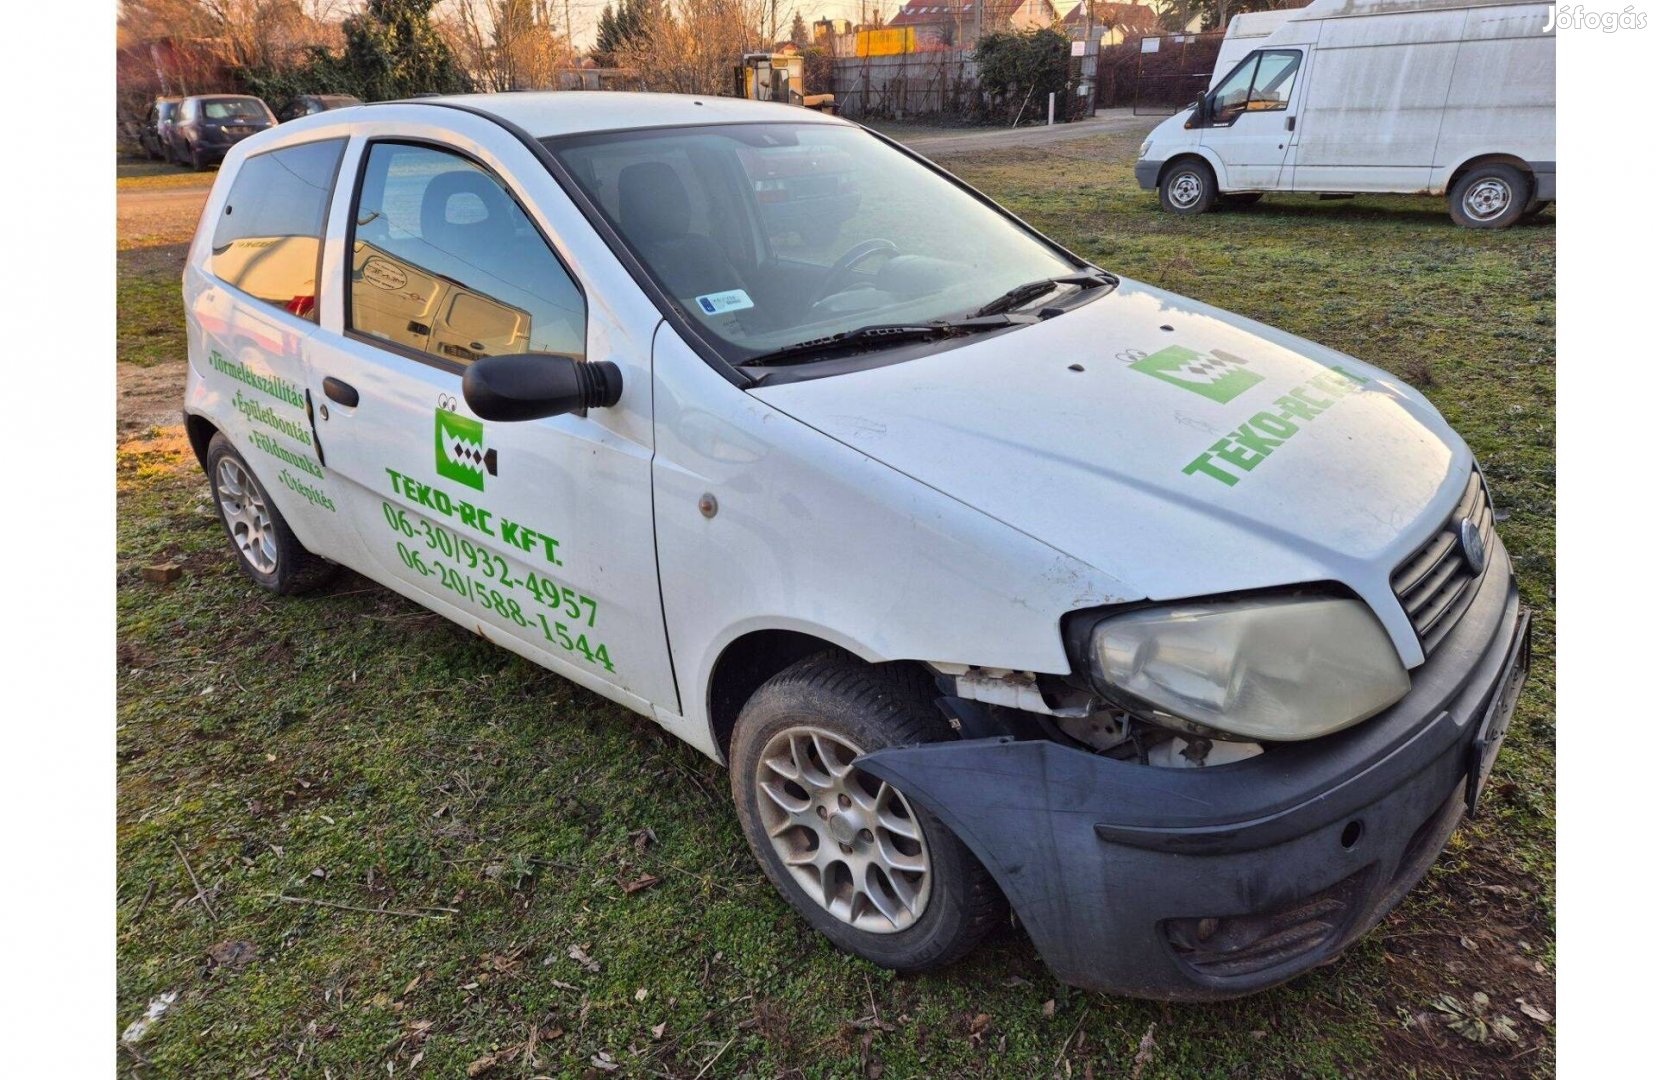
(1472, 546)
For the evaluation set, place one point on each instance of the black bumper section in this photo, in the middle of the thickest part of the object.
(1147, 173)
(1210, 883)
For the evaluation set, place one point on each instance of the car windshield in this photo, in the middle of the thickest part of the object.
(774, 234)
(232, 109)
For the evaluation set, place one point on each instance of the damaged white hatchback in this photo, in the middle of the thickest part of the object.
(997, 579)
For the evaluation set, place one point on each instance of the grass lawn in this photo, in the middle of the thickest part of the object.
(554, 886)
(135, 173)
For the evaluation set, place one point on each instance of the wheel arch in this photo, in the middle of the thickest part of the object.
(749, 660)
(200, 432)
(1490, 158)
(1202, 154)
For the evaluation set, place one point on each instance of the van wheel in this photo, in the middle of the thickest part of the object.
(878, 876)
(1188, 187)
(1489, 197)
(1241, 200)
(265, 547)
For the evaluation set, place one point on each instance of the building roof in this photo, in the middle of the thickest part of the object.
(924, 14)
(1122, 16)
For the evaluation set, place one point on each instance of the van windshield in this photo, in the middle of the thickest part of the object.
(768, 235)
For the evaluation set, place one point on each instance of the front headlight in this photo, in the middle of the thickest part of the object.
(1144, 147)
(1276, 669)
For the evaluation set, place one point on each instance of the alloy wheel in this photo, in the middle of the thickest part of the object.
(246, 515)
(849, 840)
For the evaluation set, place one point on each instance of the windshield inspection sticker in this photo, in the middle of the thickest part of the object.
(720, 302)
(1218, 376)
(1256, 439)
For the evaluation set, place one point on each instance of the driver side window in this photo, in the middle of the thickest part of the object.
(444, 262)
(1230, 97)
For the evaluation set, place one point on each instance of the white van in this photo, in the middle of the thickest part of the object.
(1349, 96)
(996, 578)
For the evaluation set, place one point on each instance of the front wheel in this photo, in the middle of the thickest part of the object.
(265, 547)
(1489, 197)
(879, 876)
(1188, 187)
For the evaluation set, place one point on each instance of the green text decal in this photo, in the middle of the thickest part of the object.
(1258, 437)
(460, 453)
(1218, 376)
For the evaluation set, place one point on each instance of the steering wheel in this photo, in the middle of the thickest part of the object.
(839, 274)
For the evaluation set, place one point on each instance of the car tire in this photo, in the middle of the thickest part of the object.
(265, 547)
(197, 161)
(1491, 196)
(925, 901)
(1240, 200)
(1188, 187)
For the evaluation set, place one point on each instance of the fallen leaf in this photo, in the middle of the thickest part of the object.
(482, 1065)
(578, 953)
(641, 994)
(1534, 1012)
(975, 1031)
(640, 884)
(1050, 1008)
(659, 1030)
(232, 954)
(1146, 1051)
(603, 1061)
(157, 1008)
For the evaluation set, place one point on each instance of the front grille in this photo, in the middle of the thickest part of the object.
(1435, 584)
(1241, 945)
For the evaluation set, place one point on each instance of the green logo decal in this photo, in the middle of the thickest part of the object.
(1218, 376)
(461, 456)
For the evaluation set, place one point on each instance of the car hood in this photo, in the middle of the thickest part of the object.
(1180, 449)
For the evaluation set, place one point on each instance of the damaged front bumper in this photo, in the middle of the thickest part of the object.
(1211, 883)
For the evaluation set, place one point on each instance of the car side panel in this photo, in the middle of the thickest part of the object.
(813, 536)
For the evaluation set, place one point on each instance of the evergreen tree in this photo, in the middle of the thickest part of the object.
(392, 50)
(799, 33)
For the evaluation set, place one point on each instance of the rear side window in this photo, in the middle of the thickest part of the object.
(268, 241)
(445, 262)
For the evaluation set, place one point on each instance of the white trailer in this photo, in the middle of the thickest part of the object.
(1433, 97)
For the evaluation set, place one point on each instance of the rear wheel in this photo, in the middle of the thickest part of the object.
(265, 547)
(1489, 196)
(1188, 187)
(198, 161)
(878, 875)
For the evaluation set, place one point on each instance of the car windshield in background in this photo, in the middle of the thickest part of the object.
(771, 235)
(232, 109)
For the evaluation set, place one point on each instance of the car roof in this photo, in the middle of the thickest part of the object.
(566, 112)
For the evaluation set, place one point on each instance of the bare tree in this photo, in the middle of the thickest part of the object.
(692, 45)
(511, 44)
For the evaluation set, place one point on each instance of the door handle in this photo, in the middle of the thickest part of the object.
(1290, 123)
(340, 391)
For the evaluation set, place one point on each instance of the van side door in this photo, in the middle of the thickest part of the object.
(539, 534)
(1252, 119)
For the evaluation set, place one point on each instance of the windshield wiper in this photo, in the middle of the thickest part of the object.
(877, 335)
(1030, 290)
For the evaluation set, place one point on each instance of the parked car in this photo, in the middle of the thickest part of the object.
(1347, 96)
(311, 104)
(157, 128)
(995, 578)
(207, 126)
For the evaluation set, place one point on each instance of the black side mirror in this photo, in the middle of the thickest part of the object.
(1198, 113)
(531, 386)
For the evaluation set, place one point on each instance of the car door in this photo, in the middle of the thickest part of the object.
(537, 534)
(1253, 118)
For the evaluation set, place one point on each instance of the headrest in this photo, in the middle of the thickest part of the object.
(438, 224)
(654, 204)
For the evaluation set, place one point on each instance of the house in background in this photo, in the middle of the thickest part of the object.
(956, 24)
(1111, 23)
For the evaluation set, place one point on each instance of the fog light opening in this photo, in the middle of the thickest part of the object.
(1352, 833)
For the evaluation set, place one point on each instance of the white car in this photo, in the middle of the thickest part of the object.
(995, 578)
